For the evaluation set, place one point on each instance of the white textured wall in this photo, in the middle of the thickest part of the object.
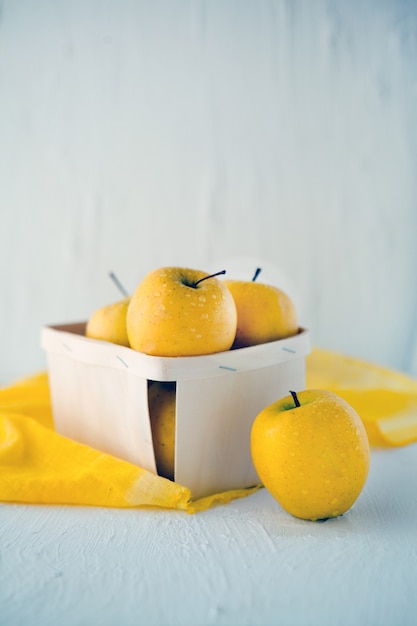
(137, 134)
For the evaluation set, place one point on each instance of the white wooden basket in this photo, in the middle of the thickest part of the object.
(99, 395)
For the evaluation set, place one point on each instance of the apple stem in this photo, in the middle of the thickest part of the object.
(256, 274)
(296, 400)
(206, 277)
(118, 284)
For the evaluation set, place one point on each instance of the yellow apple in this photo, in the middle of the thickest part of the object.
(311, 452)
(162, 415)
(109, 323)
(179, 311)
(264, 312)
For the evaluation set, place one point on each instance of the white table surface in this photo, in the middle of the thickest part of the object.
(247, 563)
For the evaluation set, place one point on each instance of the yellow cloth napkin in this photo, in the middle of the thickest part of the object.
(386, 400)
(37, 465)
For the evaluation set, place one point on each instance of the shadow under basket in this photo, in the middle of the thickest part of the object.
(99, 395)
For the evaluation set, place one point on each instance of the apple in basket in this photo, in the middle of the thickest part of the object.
(264, 312)
(162, 410)
(108, 323)
(179, 311)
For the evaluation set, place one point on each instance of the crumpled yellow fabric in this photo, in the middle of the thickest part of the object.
(386, 400)
(37, 465)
